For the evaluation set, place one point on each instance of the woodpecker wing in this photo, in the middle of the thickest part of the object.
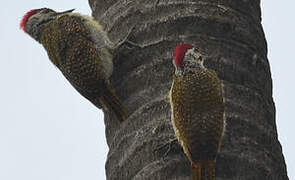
(70, 47)
(198, 112)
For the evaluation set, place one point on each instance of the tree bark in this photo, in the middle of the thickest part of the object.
(230, 33)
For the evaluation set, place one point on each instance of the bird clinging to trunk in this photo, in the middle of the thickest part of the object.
(79, 47)
(197, 110)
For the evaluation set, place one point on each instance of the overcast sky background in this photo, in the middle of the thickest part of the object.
(49, 132)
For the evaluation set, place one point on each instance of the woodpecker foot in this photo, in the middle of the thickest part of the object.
(167, 146)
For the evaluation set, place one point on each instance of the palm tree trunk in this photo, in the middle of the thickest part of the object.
(230, 33)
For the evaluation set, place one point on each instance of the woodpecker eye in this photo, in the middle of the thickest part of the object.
(45, 11)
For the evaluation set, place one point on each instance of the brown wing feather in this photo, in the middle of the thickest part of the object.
(70, 48)
(198, 113)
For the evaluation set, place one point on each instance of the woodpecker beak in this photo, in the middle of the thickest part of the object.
(64, 12)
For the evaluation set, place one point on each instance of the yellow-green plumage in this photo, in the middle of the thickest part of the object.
(197, 109)
(70, 45)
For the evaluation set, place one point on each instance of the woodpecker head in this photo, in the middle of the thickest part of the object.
(35, 20)
(186, 58)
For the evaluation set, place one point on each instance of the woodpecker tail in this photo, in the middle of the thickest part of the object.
(196, 171)
(204, 170)
(110, 99)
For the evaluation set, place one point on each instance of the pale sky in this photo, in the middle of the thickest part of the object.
(49, 132)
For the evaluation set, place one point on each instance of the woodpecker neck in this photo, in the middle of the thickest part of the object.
(36, 31)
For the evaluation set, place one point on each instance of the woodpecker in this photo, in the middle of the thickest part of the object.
(79, 47)
(197, 110)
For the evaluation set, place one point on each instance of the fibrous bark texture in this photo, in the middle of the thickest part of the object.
(231, 35)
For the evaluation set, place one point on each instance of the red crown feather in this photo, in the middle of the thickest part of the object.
(180, 51)
(26, 17)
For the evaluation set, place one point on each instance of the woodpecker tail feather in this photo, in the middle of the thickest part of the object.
(196, 171)
(209, 168)
(110, 99)
(204, 170)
